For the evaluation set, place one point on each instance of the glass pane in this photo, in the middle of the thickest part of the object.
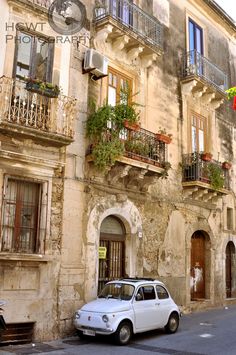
(41, 59)
(199, 40)
(201, 141)
(111, 96)
(23, 55)
(191, 36)
(194, 139)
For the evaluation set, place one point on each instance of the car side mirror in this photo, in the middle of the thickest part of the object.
(138, 297)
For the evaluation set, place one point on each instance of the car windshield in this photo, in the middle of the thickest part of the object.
(118, 291)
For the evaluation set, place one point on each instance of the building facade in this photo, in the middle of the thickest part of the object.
(165, 209)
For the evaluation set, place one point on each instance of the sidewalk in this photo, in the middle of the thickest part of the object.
(58, 347)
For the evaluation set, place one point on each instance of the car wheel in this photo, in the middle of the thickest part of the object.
(173, 323)
(123, 333)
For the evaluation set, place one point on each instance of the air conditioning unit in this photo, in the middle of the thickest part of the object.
(95, 62)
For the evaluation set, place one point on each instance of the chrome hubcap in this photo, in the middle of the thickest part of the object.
(173, 323)
(124, 334)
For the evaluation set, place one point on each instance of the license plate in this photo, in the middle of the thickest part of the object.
(89, 332)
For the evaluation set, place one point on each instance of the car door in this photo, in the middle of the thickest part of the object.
(164, 305)
(145, 308)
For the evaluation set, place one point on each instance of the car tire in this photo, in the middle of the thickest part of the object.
(123, 333)
(173, 323)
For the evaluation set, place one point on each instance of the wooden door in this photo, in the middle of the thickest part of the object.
(197, 266)
(230, 250)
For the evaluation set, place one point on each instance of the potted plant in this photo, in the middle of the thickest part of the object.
(215, 175)
(231, 94)
(131, 126)
(42, 88)
(226, 165)
(206, 156)
(163, 137)
(104, 127)
(137, 147)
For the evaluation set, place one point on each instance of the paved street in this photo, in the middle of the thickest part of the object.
(212, 332)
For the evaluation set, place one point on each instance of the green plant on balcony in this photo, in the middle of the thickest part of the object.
(231, 92)
(104, 127)
(215, 175)
(137, 146)
(42, 87)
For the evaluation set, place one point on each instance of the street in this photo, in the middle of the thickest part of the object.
(211, 332)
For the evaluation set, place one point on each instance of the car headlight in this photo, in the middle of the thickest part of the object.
(77, 315)
(105, 318)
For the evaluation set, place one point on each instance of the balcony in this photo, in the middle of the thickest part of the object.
(203, 79)
(204, 181)
(127, 27)
(29, 114)
(144, 160)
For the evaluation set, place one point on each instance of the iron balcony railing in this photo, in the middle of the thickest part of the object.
(141, 145)
(33, 110)
(134, 18)
(197, 169)
(196, 64)
(42, 3)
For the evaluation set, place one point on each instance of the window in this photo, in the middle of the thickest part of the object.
(119, 87)
(22, 225)
(146, 293)
(161, 292)
(229, 218)
(34, 57)
(198, 132)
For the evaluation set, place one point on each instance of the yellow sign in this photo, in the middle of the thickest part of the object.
(102, 252)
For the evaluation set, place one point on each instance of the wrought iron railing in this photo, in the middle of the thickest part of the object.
(143, 145)
(197, 169)
(134, 18)
(196, 64)
(33, 110)
(43, 3)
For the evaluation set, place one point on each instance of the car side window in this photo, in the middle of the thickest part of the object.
(146, 293)
(161, 292)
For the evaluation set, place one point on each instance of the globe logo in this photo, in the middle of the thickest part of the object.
(66, 16)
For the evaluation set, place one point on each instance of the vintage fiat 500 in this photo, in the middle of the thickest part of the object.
(128, 306)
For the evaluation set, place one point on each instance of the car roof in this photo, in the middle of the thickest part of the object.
(137, 281)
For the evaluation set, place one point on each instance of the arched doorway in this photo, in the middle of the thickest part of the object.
(112, 251)
(198, 251)
(229, 265)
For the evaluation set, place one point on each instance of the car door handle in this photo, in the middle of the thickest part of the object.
(157, 304)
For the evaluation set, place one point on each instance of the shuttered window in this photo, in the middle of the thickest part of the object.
(21, 216)
(33, 57)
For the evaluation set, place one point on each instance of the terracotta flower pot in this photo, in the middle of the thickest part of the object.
(163, 138)
(206, 156)
(131, 126)
(226, 165)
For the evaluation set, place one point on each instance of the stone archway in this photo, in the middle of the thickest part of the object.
(129, 215)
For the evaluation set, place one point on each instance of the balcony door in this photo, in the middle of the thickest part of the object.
(198, 132)
(122, 11)
(195, 47)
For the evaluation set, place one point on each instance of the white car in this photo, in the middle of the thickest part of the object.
(128, 306)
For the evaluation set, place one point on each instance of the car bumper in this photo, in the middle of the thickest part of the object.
(104, 331)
